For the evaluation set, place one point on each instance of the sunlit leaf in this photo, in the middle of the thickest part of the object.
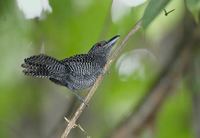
(33, 8)
(120, 8)
(133, 62)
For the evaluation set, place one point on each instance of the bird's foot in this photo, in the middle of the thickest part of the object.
(81, 99)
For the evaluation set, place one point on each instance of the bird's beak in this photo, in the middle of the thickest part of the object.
(113, 40)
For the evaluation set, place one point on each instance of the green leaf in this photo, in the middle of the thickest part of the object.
(194, 7)
(153, 8)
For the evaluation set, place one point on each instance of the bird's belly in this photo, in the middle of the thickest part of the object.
(84, 82)
(84, 77)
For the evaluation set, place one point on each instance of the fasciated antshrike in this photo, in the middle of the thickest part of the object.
(76, 72)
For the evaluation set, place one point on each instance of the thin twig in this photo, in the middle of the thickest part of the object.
(79, 126)
(78, 112)
(168, 12)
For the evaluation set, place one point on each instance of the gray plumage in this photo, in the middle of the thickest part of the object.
(76, 72)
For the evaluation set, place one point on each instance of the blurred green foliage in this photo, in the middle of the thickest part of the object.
(73, 27)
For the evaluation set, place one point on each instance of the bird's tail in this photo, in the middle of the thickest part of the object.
(41, 66)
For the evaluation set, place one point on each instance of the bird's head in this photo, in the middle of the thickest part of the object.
(103, 48)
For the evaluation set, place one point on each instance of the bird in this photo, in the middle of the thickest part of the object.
(77, 72)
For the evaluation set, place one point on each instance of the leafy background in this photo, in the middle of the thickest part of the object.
(32, 107)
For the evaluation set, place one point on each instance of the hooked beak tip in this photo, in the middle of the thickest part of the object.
(113, 40)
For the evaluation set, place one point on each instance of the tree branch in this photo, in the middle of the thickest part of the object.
(114, 55)
(193, 83)
(166, 82)
(151, 103)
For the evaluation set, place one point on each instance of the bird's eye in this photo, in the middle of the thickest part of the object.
(98, 45)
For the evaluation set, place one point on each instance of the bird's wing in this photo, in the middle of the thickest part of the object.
(82, 66)
(84, 69)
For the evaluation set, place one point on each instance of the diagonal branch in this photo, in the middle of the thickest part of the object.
(170, 75)
(151, 103)
(80, 109)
